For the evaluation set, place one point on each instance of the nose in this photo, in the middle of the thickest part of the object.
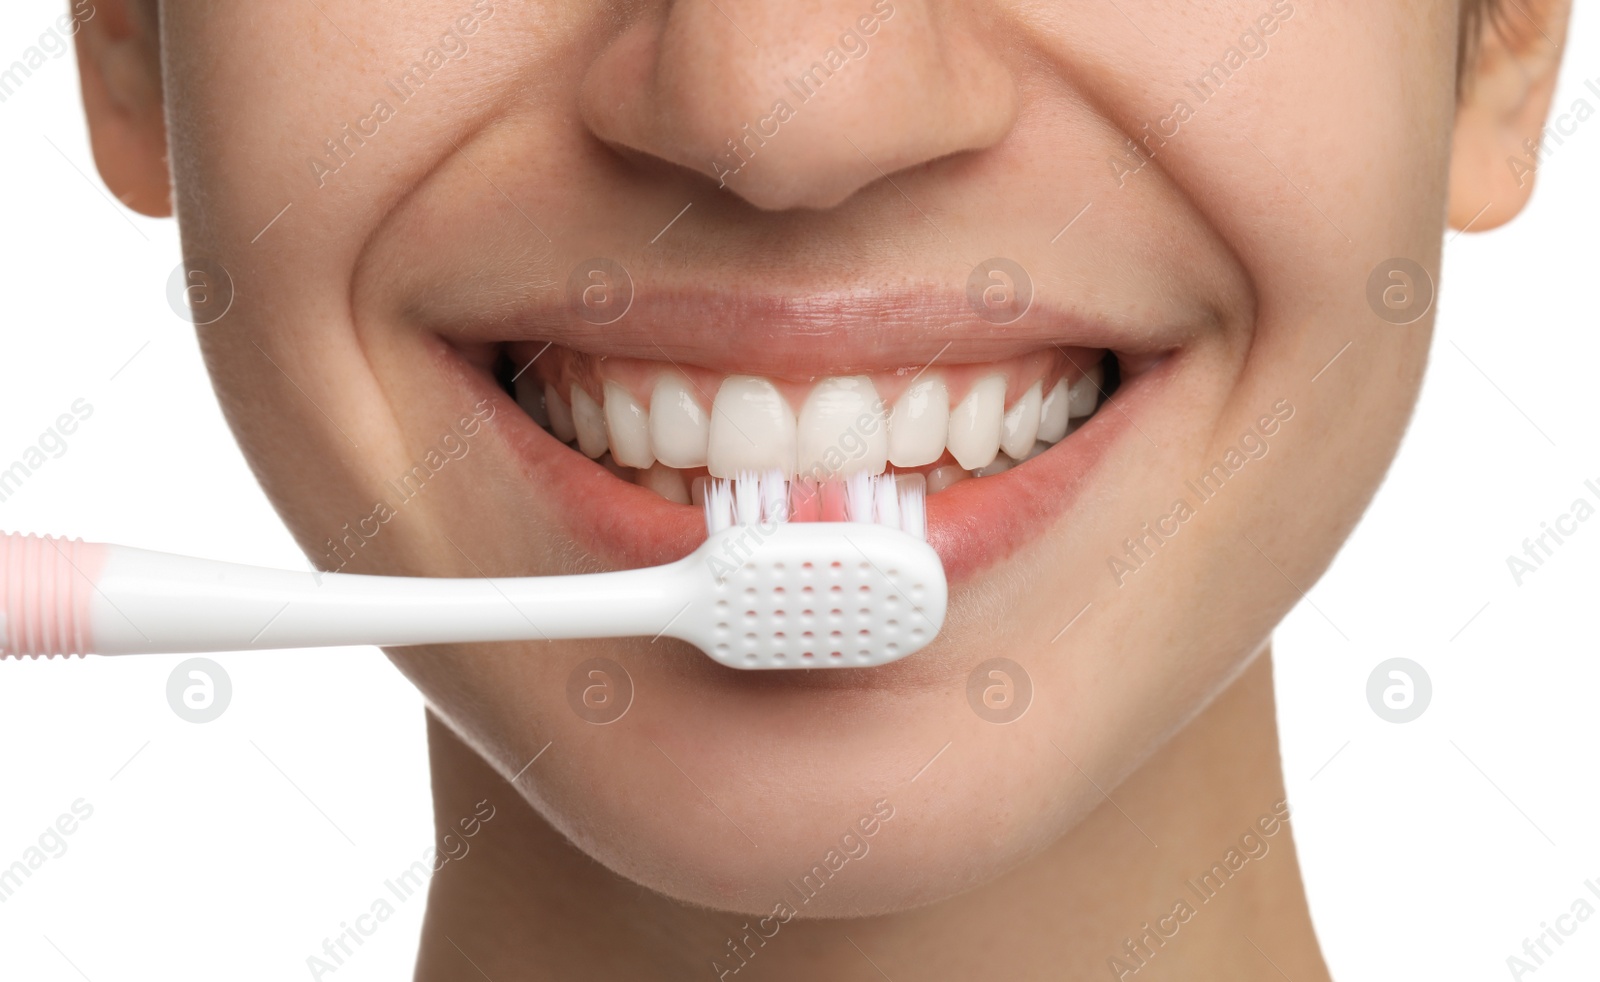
(801, 103)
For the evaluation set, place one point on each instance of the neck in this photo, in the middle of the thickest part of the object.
(1172, 877)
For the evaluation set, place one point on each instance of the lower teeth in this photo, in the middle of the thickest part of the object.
(668, 482)
(683, 487)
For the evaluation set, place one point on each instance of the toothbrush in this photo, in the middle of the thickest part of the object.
(761, 592)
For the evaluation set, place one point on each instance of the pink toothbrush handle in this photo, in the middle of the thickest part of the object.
(46, 588)
(66, 597)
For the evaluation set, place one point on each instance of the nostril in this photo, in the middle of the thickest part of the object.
(801, 105)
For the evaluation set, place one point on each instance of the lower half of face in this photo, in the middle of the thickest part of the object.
(1119, 301)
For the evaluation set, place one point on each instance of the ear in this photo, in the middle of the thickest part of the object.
(1506, 88)
(119, 66)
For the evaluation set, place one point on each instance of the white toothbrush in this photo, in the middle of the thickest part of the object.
(761, 592)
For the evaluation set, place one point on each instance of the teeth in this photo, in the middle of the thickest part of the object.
(975, 424)
(752, 429)
(943, 476)
(679, 427)
(842, 430)
(560, 415)
(531, 399)
(590, 423)
(920, 424)
(1021, 423)
(1053, 414)
(627, 427)
(1084, 395)
(666, 482)
(999, 465)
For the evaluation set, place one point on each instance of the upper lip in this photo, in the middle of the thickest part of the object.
(806, 335)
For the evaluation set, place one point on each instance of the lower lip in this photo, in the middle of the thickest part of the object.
(973, 524)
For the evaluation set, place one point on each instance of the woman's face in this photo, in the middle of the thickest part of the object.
(642, 201)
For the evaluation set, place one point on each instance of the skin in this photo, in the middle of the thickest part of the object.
(1152, 723)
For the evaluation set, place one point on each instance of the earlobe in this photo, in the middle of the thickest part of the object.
(119, 67)
(1500, 122)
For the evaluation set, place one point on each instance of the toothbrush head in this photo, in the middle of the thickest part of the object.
(784, 593)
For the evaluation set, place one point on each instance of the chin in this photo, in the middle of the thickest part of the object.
(743, 795)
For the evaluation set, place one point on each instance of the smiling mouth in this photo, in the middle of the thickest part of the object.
(669, 428)
(619, 428)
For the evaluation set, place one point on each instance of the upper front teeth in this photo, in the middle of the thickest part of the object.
(752, 429)
(842, 426)
(975, 423)
(842, 430)
(679, 427)
(919, 423)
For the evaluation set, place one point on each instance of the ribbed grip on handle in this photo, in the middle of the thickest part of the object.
(46, 589)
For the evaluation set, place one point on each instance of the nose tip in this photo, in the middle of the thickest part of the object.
(800, 105)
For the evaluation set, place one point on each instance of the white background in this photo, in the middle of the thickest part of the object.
(1431, 849)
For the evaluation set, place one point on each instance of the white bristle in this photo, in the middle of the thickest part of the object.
(887, 504)
(913, 492)
(859, 494)
(754, 498)
(774, 496)
(719, 506)
(747, 499)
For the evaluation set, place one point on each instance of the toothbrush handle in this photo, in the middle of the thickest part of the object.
(69, 597)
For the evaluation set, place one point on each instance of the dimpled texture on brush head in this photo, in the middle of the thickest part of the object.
(818, 594)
